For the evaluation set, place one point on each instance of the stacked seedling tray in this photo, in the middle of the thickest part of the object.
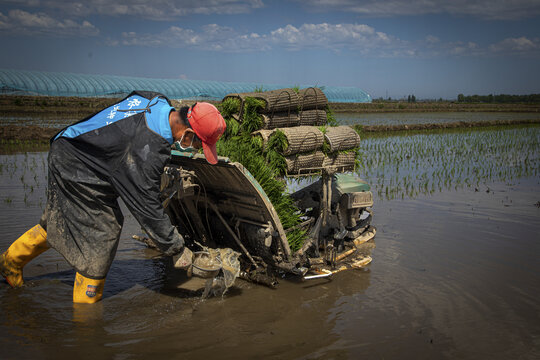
(294, 130)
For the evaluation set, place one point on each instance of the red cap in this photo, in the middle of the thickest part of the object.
(209, 125)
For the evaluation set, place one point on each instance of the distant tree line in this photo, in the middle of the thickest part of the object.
(501, 99)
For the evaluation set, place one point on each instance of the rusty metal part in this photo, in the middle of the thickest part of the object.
(366, 236)
(344, 254)
(324, 273)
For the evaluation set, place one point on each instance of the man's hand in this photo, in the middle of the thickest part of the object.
(185, 259)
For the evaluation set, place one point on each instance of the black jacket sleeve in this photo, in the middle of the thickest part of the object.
(137, 177)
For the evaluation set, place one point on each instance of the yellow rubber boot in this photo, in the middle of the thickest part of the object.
(87, 291)
(25, 248)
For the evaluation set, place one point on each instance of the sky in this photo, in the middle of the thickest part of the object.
(389, 48)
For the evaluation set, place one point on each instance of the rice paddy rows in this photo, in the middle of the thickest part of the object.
(23, 178)
(396, 166)
(411, 164)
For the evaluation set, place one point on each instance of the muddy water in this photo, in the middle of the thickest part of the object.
(455, 275)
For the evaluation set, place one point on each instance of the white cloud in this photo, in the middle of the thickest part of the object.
(25, 23)
(338, 36)
(212, 37)
(485, 9)
(519, 45)
(360, 38)
(173, 37)
(460, 48)
(154, 10)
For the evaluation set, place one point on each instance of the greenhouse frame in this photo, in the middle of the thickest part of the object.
(22, 82)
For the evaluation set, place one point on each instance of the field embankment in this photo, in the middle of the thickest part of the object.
(437, 106)
(437, 126)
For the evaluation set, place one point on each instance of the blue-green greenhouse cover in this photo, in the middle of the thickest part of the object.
(21, 82)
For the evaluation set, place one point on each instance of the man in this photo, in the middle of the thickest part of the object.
(118, 152)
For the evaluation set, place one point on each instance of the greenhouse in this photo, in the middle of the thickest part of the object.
(20, 82)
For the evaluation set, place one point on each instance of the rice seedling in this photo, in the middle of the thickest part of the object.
(239, 149)
(252, 120)
(409, 164)
(229, 107)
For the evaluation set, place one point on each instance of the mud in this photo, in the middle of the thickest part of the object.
(455, 274)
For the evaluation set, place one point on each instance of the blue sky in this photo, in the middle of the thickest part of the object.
(429, 48)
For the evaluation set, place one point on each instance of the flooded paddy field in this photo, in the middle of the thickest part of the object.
(411, 163)
(455, 271)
